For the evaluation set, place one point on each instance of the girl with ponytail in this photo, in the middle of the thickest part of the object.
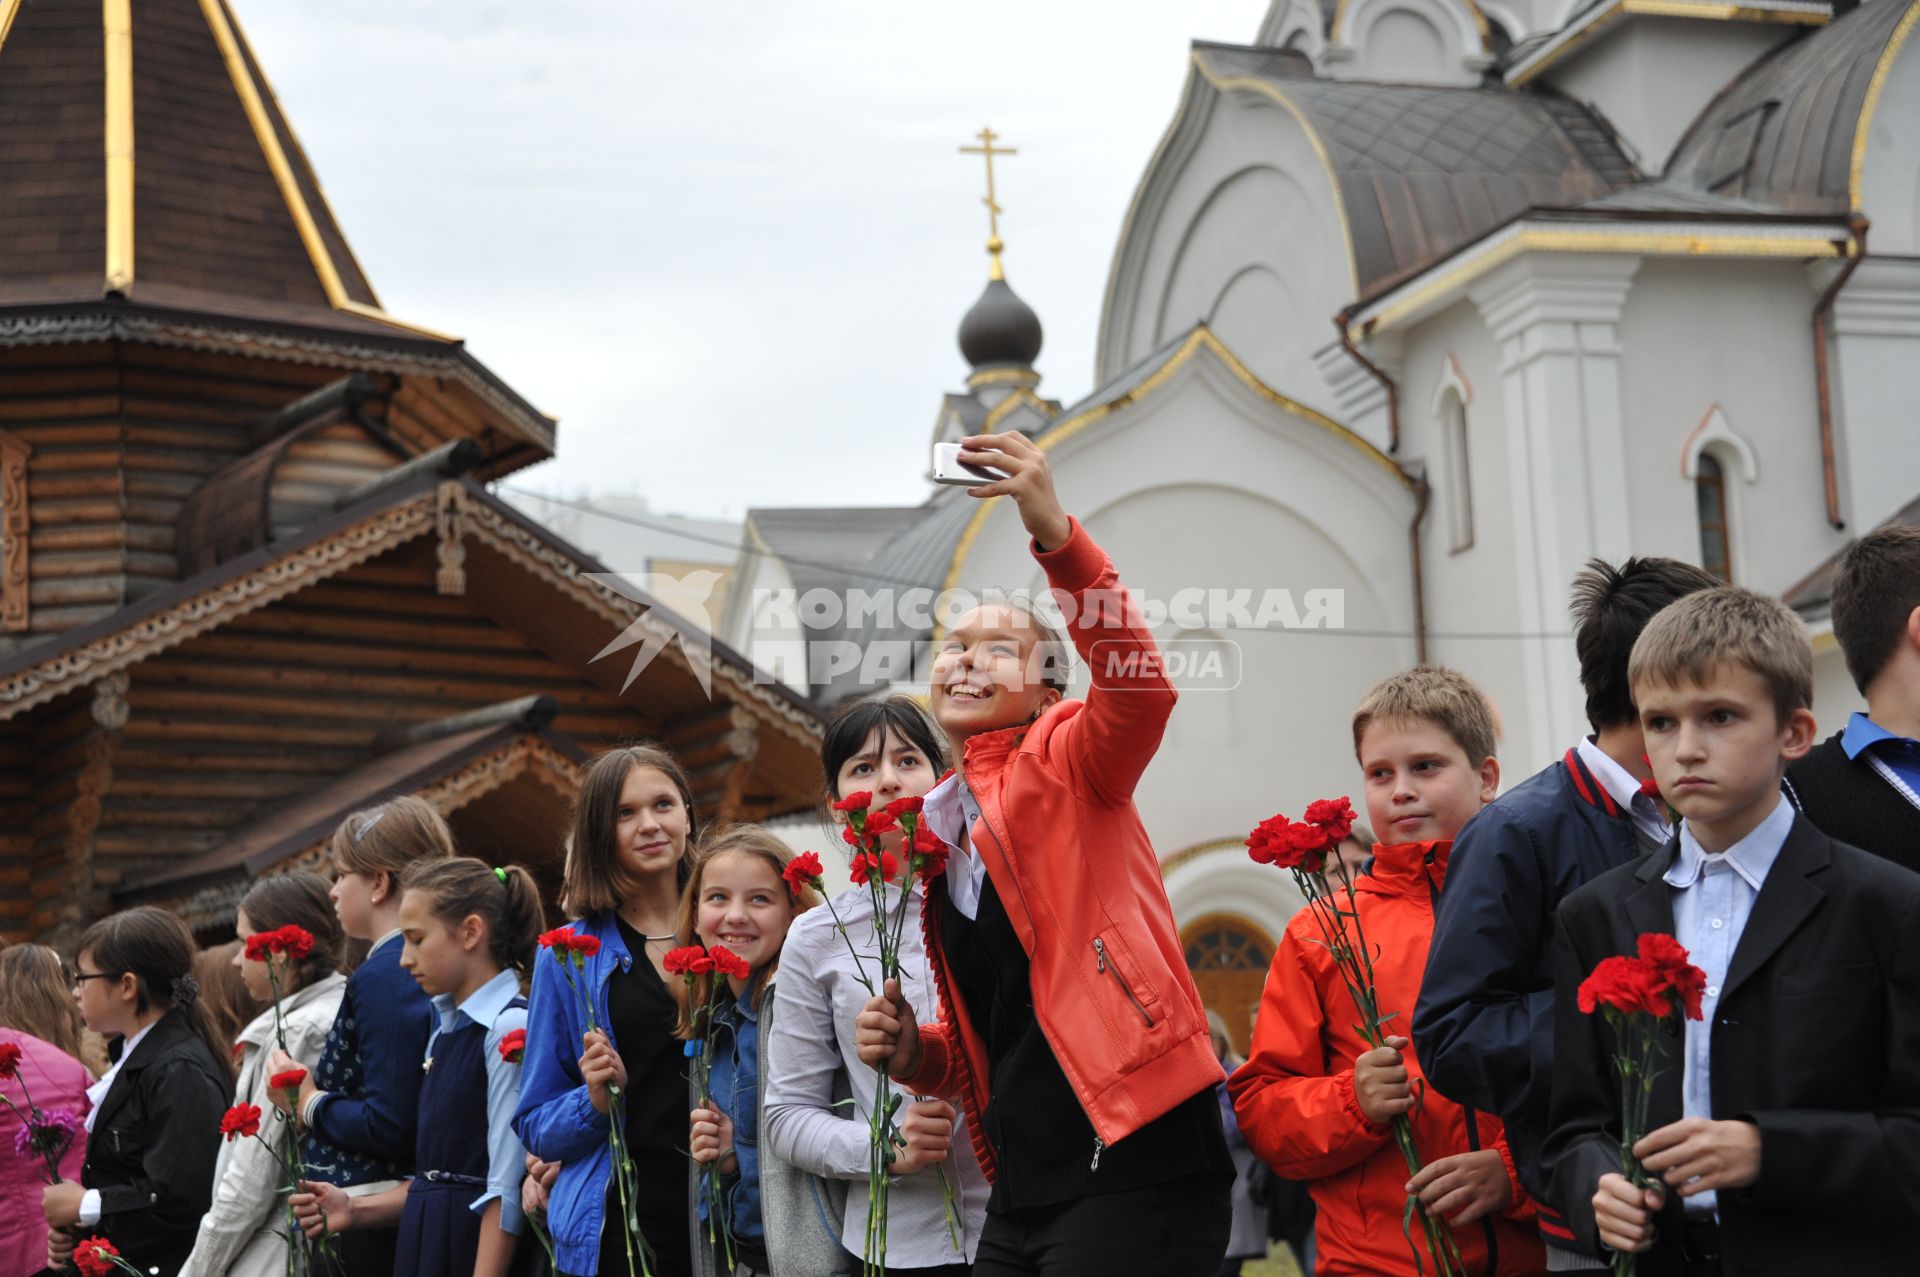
(154, 1131)
(470, 935)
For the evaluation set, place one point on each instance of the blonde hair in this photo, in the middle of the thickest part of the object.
(35, 999)
(1728, 625)
(1431, 694)
(739, 840)
(389, 838)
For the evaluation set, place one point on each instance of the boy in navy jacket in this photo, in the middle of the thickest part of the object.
(1484, 1021)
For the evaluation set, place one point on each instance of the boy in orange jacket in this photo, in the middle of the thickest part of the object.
(1313, 1100)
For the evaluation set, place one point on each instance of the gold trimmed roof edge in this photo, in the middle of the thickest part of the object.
(1883, 69)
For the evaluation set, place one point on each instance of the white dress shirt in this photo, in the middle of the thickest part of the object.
(950, 810)
(1649, 814)
(1713, 897)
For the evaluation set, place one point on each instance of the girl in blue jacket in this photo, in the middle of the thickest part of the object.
(632, 822)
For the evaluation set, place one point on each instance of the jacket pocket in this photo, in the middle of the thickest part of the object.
(1852, 977)
(1106, 964)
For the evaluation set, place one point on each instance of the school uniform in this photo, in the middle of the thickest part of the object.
(1810, 1029)
(460, 1170)
(153, 1138)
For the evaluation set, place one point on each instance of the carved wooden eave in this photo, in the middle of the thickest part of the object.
(15, 522)
(383, 522)
(345, 349)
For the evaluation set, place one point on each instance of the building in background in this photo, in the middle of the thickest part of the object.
(1426, 303)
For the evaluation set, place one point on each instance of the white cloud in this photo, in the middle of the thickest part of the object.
(729, 245)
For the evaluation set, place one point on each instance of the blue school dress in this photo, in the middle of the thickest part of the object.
(460, 1166)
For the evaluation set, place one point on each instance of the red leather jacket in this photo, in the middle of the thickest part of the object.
(1081, 883)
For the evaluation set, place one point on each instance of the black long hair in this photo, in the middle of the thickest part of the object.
(895, 715)
(156, 948)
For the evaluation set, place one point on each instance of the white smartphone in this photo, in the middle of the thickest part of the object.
(948, 468)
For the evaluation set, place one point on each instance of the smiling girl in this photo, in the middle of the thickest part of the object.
(154, 1132)
(468, 933)
(242, 1234)
(738, 899)
(1069, 1024)
(632, 819)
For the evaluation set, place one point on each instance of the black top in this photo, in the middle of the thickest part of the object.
(1847, 799)
(643, 1011)
(154, 1142)
(1051, 1156)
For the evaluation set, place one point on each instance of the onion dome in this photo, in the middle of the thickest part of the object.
(1001, 330)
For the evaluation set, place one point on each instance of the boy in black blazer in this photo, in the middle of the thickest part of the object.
(1785, 1124)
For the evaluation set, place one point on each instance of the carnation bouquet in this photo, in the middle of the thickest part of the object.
(44, 1134)
(1638, 995)
(1301, 848)
(690, 963)
(874, 867)
(571, 950)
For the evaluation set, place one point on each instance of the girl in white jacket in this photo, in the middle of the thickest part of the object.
(244, 1233)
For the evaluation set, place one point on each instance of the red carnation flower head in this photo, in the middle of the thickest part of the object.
(241, 1119)
(879, 822)
(803, 871)
(851, 836)
(1264, 843)
(1626, 985)
(1668, 958)
(855, 802)
(903, 806)
(289, 1080)
(930, 862)
(688, 960)
(9, 1059)
(728, 963)
(513, 1047)
(295, 943)
(585, 946)
(885, 863)
(94, 1257)
(1335, 815)
(556, 939)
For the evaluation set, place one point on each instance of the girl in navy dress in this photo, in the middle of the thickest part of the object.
(469, 934)
(625, 871)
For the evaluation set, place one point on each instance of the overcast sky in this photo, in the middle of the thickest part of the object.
(729, 244)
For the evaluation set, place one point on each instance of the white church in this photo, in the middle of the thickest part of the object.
(1428, 302)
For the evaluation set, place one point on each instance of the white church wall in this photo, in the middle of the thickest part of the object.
(1890, 174)
(1407, 42)
(754, 624)
(1651, 77)
(1733, 335)
(1876, 348)
(1204, 485)
(1256, 251)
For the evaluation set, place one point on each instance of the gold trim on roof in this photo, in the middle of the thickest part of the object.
(1538, 240)
(254, 104)
(1857, 166)
(1604, 18)
(1201, 338)
(7, 9)
(117, 24)
(1252, 85)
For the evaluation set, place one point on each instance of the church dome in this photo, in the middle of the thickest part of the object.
(1000, 330)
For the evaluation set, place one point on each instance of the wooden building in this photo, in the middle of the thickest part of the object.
(251, 578)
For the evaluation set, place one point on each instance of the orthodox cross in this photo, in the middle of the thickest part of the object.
(987, 148)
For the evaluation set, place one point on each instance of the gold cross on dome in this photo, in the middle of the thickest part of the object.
(987, 148)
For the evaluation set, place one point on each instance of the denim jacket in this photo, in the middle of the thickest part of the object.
(556, 1120)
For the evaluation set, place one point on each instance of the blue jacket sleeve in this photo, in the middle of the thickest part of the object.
(1483, 1025)
(555, 1120)
(395, 1019)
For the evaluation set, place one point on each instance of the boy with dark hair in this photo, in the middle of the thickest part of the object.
(1484, 1022)
(1862, 785)
(1786, 1119)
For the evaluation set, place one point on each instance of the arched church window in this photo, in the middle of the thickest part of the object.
(1710, 499)
(1229, 958)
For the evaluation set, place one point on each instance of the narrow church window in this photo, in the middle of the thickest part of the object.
(1710, 496)
(1459, 475)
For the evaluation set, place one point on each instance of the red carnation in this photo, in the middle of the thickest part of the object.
(1335, 815)
(1668, 958)
(855, 802)
(586, 946)
(880, 822)
(94, 1257)
(289, 941)
(241, 1119)
(555, 939)
(513, 1047)
(287, 1081)
(1264, 843)
(803, 871)
(689, 960)
(9, 1059)
(867, 861)
(901, 806)
(850, 836)
(728, 963)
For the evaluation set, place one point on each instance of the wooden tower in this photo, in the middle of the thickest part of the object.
(250, 576)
